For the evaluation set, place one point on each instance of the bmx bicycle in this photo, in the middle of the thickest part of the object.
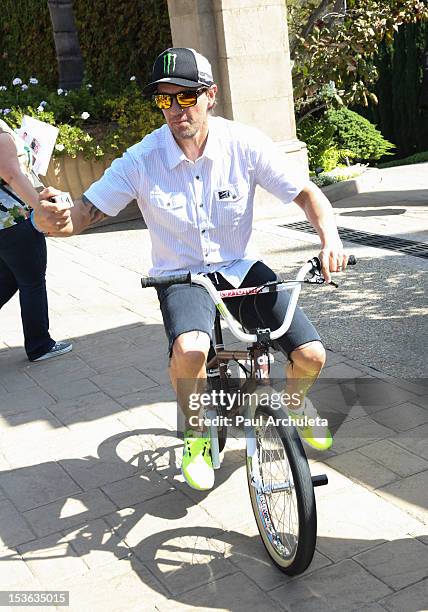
(280, 484)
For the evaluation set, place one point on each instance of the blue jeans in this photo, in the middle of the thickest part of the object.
(23, 261)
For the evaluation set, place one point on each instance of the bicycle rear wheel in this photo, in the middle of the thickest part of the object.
(282, 494)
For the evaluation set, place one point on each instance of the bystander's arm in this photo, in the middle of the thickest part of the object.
(70, 221)
(11, 173)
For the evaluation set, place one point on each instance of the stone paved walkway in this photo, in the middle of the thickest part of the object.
(91, 497)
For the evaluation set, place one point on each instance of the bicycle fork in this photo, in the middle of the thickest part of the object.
(252, 459)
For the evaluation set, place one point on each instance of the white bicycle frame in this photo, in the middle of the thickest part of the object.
(233, 325)
(236, 330)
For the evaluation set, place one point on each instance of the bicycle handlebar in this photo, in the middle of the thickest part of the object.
(311, 266)
(159, 281)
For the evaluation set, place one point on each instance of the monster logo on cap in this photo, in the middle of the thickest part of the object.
(168, 59)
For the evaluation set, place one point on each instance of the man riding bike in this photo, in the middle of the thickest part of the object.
(194, 180)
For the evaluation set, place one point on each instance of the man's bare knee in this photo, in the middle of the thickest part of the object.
(190, 351)
(309, 357)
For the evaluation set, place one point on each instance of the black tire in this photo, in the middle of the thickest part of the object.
(295, 555)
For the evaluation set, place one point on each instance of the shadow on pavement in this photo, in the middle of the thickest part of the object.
(376, 212)
(86, 512)
(392, 197)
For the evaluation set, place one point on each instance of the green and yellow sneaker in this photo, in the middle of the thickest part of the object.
(316, 435)
(197, 467)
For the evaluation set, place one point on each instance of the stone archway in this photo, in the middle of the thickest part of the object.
(246, 42)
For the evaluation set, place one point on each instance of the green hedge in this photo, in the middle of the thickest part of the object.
(91, 121)
(118, 39)
(398, 114)
(340, 134)
(417, 158)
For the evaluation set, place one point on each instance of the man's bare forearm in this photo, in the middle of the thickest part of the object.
(319, 213)
(84, 214)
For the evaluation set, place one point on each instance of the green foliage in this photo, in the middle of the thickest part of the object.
(340, 136)
(92, 122)
(323, 149)
(357, 134)
(332, 46)
(399, 114)
(337, 175)
(417, 158)
(118, 39)
(27, 47)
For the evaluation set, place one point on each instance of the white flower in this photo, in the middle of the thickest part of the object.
(66, 93)
(89, 86)
(3, 88)
(40, 109)
(43, 103)
(132, 78)
(60, 91)
(59, 147)
(330, 88)
(17, 81)
(6, 111)
(24, 87)
(85, 115)
(33, 81)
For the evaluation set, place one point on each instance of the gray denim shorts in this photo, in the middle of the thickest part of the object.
(188, 308)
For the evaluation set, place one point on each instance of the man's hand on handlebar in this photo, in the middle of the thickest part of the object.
(333, 259)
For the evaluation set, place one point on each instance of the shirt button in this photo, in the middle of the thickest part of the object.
(198, 177)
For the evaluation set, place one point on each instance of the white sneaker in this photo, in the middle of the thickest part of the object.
(59, 348)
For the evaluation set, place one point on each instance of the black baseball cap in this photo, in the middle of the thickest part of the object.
(180, 66)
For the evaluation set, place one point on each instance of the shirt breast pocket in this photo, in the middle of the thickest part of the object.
(230, 203)
(170, 210)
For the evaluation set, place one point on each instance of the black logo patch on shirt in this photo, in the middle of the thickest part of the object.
(224, 194)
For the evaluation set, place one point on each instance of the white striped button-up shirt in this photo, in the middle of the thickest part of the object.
(199, 214)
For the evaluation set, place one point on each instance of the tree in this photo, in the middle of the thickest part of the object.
(69, 56)
(333, 43)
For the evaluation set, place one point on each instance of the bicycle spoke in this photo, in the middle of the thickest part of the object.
(282, 506)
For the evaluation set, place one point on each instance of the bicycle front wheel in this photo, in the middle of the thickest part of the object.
(281, 492)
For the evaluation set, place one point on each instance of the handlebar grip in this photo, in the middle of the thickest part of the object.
(352, 261)
(316, 263)
(159, 281)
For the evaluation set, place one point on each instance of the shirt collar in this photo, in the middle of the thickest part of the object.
(212, 147)
(173, 152)
(175, 155)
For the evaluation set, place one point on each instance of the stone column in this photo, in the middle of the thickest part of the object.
(246, 42)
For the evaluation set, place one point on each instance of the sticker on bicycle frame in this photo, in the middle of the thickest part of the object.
(221, 309)
(265, 513)
(261, 374)
(265, 516)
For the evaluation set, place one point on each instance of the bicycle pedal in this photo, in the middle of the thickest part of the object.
(319, 480)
